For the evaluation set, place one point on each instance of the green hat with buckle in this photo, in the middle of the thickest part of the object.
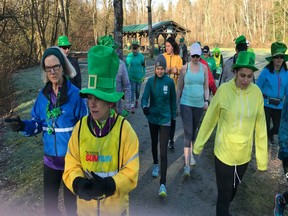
(63, 41)
(103, 64)
(245, 59)
(278, 49)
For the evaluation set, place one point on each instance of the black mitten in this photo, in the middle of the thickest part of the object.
(15, 123)
(146, 111)
(105, 185)
(82, 188)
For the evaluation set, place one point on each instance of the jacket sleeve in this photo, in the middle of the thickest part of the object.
(261, 141)
(208, 124)
(261, 80)
(127, 177)
(146, 95)
(224, 73)
(212, 85)
(173, 106)
(126, 85)
(73, 166)
(77, 80)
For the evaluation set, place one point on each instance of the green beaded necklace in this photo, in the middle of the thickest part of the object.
(52, 114)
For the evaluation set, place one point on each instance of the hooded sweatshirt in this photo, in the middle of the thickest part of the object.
(240, 117)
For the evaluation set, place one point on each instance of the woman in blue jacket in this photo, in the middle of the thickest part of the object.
(57, 109)
(160, 89)
(273, 82)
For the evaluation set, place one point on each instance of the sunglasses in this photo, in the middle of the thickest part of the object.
(278, 57)
(195, 56)
(65, 47)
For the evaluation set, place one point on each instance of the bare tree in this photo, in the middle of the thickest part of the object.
(118, 24)
(150, 33)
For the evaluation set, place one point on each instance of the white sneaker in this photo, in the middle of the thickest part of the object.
(192, 161)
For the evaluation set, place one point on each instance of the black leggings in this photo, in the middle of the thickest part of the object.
(172, 129)
(225, 178)
(164, 138)
(275, 115)
(52, 181)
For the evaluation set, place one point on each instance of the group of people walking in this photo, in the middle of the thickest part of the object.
(94, 150)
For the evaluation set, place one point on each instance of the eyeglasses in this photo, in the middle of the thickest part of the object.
(195, 56)
(278, 57)
(55, 68)
(65, 47)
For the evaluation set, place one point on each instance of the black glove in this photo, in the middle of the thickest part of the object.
(146, 111)
(82, 188)
(106, 185)
(15, 123)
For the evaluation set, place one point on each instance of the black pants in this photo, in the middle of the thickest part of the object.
(163, 131)
(275, 115)
(172, 129)
(52, 181)
(225, 178)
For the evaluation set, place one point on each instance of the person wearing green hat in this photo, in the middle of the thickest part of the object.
(273, 82)
(65, 45)
(218, 57)
(102, 161)
(122, 79)
(237, 110)
(227, 73)
(57, 109)
(183, 51)
(136, 66)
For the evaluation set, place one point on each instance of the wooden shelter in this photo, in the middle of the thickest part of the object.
(164, 28)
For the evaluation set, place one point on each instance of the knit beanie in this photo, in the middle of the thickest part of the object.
(160, 61)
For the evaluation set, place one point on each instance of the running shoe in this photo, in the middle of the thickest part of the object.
(155, 171)
(279, 205)
(162, 191)
(171, 144)
(192, 160)
(186, 172)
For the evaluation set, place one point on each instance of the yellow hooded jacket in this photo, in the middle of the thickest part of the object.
(173, 61)
(239, 113)
(103, 156)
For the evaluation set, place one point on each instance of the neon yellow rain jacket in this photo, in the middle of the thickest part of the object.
(239, 113)
(103, 156)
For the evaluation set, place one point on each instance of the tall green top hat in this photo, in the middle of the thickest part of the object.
(63, 41)
(277, 49)
(103, 64)
(240, 40)
(107, 41)
(245, 60)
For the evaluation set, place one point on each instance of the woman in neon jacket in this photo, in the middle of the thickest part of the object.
(238, 110)
(102, 163)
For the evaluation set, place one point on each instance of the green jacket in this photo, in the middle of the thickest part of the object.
(162, 94)
(136, 67)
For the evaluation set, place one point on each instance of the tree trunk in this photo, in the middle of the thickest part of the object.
(118, 25)
(151, 36)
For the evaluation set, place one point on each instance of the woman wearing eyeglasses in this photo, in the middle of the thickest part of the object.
(57, 109)
(193, 96)
(273, 82)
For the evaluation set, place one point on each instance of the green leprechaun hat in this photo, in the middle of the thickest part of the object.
(107, 41)
(278, 49)
(63, 41)
(245, 59)
(103, 64)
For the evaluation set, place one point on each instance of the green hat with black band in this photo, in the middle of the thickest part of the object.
(278, 49)
(103, 64)
(63, 41)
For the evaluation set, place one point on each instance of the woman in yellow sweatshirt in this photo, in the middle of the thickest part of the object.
(238, 110)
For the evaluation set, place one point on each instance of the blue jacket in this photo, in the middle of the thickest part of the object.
(273, 85)
(162, 96)
(73, 109)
